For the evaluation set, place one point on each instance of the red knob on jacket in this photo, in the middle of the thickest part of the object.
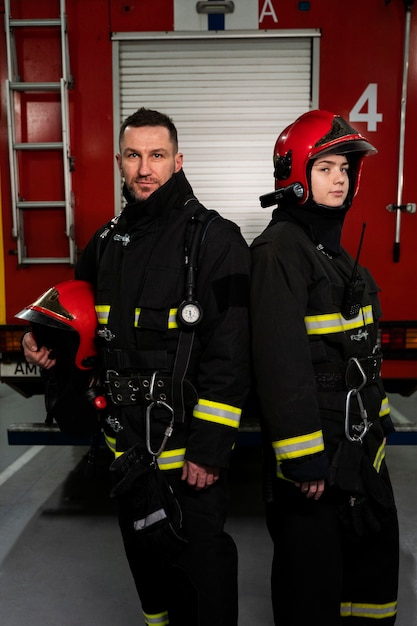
(100, 403)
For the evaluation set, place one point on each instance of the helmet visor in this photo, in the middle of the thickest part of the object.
(345, 147)
(31, 315)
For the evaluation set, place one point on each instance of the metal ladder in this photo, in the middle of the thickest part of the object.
(14, 85)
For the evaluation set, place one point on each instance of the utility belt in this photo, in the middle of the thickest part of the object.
(154, 392)
(351, 375)
(143, 389)
(155, 378)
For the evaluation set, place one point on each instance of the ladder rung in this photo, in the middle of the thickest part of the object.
(47, 145)
(37, 260)
(19, 137)
(35, 22)
(20, 86)
(39, 204)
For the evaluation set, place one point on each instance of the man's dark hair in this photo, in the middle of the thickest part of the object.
(148, 117)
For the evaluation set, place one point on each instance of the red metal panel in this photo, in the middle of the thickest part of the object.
(142, 15)
(91, 115)
(91, 125)
(361, 43)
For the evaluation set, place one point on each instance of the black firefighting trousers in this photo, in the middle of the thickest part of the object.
(196, 585)
(323, 572)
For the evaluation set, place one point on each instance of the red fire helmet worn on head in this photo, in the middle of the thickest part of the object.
(68, 306)
(311, 135)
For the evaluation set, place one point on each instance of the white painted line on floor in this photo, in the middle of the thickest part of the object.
(19, 463)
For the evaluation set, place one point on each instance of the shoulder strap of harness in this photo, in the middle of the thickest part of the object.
(201, 216)
(195, 232)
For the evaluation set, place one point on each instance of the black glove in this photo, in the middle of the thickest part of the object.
(148, 503)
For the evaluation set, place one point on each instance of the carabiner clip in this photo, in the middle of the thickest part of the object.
(353, 360)
(169, 429)
(366, 425)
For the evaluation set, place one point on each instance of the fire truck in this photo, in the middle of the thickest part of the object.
(233, 75)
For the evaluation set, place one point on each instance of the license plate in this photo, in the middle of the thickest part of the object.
(19, 370)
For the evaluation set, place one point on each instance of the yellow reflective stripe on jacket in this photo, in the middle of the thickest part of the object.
(172, 318)
(171, 459)
(111, 443)
(167, 460)
(171, 323)
(102, 311)
(375, 611)
(379, 457)
(218, 413)
(385, 408)
(336, 323)
(297, 447)
(160, 619)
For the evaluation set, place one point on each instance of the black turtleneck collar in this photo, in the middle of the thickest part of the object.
(171, 194)
(322, 224)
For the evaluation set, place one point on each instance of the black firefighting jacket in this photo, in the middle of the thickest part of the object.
(137, 266)
(302, 346)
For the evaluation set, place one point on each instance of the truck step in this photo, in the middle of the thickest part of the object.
(39, 433)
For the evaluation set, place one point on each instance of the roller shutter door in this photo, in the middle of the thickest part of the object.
(230, 97)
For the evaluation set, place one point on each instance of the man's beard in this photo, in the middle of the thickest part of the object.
(135, 195)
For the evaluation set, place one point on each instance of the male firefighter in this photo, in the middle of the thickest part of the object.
(171, 283)
(314, 312)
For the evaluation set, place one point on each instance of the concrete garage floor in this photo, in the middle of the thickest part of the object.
(61, 558)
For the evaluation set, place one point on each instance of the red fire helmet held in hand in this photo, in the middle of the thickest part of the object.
(68, 306)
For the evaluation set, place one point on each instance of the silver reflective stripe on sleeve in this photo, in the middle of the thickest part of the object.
(297, 447)
(150, 520)
(217, 412)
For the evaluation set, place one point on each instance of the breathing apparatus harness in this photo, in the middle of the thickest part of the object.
(189, 312)
(189, 316)
(170, 392)
(357, 373)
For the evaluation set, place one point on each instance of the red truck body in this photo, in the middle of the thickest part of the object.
(364, 71)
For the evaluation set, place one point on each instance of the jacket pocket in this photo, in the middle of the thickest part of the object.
(160, 297)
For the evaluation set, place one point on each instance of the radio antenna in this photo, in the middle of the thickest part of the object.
(355, 288)
(355, 267)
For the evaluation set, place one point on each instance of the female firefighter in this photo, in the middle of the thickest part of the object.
(330, 508)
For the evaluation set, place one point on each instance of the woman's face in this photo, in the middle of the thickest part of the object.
(330, 180)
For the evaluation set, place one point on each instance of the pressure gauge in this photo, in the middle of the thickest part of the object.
(189, 313)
